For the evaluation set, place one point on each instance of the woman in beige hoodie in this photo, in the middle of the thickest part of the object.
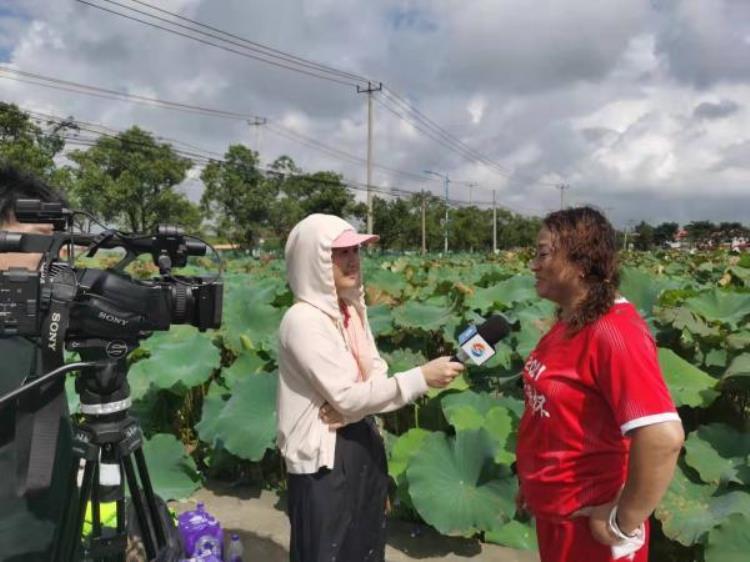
(331, 380)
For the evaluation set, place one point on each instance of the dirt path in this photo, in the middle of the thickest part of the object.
(259, 518)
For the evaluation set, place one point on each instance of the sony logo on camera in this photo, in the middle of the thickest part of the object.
(54, 327)
(112, 318)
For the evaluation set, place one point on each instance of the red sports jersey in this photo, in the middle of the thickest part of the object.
(583, 394)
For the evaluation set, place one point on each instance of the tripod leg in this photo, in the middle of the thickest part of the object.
(135, 495)
(96, 516)
(80, 515)
(148, 489)
(64, 531)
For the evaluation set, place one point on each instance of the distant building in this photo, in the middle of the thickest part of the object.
(739, 244)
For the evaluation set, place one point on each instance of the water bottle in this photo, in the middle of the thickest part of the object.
(201, 533)
(235, 550)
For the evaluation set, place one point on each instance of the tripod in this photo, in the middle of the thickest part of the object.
(107, 440)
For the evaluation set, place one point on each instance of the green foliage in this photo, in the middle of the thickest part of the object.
(238, 196)
(180, 359)
(515, 534)
(730, 541)
(245, 424)
(456, 486)
(132, 180)
(451, 453)
(719, 453)
(688, 384)
(690, 510)
(173, 473)
(28, 146)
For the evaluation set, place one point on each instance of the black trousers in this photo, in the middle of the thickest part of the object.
(339, 515)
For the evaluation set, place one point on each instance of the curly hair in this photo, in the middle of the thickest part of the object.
(588, 240)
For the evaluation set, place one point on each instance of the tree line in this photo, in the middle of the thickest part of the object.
(701, 234)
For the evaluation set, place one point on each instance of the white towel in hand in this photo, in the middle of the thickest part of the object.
(628, 548)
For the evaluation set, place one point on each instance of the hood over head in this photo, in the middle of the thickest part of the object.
(309, 264)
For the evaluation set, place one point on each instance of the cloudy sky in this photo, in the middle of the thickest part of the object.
(641, 107)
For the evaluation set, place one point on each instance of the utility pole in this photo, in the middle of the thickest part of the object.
(257, 122)
(471, 185)
(369, 90)
(446, 182)
(562, 187)
(630, 225)
(424, 223)
(494, 221)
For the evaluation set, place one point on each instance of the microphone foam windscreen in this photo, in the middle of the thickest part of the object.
(494, 329)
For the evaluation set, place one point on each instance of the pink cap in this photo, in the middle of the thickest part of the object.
(350, 238)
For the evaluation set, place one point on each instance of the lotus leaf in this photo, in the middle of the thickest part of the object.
(387, 281)
(403, 449)
(469, 410)
(247, 312)
(421, 316)
(177, 364)
(719, 453)
(740, 367)
(642, 288)
(70, 392)
(247, 363)
(688, 385)
(742, 274)
(738, 341)
(481, 402)
(514, 535)
(721, 306)
(519, 288)
(176, 333)
(730, 541)
(455, 485)
(380, 319)
(402, 360)
(535, 320)
(689, 510)
(173, 473)
(716, 358)
(682, 319)
(458, 384)
(245, 425)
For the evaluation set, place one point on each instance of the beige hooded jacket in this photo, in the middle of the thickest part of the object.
(315, 364)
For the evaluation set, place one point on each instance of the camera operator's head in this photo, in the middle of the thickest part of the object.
(15, 185)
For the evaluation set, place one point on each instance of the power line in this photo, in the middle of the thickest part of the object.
(96, 91)
(210, 43)
(399, 106)
(412, 114)
(202, 157)
(260, 46)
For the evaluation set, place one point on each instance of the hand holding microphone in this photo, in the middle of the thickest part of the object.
(440, 372)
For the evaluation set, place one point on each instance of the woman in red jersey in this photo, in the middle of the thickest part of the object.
(600, 436)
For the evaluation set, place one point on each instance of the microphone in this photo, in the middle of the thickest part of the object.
(476, 345)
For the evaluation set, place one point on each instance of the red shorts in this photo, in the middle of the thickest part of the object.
(571, 541)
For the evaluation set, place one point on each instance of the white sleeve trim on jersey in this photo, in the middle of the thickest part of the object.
(621, 300)
(649, 420)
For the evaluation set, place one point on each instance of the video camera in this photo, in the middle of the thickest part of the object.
(102, 303)
(102, 314)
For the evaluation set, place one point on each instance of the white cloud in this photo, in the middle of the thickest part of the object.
(605, 98)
